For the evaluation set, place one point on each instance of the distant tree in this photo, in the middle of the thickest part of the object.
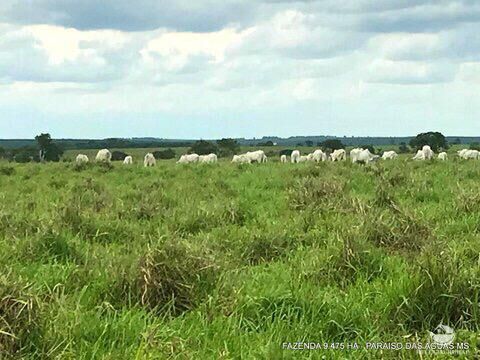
(3, 152)
(369, 147)
(43, 141)
(164, 154)
(118, 155)
(457, 141)
(228, 147)
(47, 149)
(309, 143)
(403, 148)
(203, 147)
(435, 140)
(332, 144)
(475, 146)
(300, 144)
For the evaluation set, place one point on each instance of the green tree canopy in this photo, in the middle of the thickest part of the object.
(435, 140)
(48, 150)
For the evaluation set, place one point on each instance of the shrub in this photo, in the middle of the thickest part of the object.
(164, 154)
(203, 147)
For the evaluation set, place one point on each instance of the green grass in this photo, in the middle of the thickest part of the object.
(226, 261)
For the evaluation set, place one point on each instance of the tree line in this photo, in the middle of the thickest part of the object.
(46, 149)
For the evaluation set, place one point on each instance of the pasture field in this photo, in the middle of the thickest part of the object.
(225, 261)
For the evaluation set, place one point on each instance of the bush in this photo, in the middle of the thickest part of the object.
(164, 154)
(403, 148)
(176, 276)
(203, 147)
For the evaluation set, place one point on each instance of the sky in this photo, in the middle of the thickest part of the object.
(238, 68)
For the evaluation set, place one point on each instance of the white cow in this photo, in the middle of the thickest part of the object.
(419, 155)
(104, 155)
(461, 153)
(257, 156)
(319, 155)
(241, 159)
(354, 153)
(208, 159)
(389, 155)
(427, 152)
(302, 159)
(365, 156)
(471, 154)
(311, 157)
(295, 156)
(189, 158)
(283, 159)
(338, 155)
(128, 160)
(82, 159)
(442, 156)
(149, 160)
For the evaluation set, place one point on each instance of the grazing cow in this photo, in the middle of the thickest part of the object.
(295, 156)
(189, 158)
(461, 153)
(471, 154)
(149, 160)
(338, 155)
(389, 155)
(427, 152)
(442, 156)
(128, 160)
(354, 153)
(256, 156)
(319, 155)
(241, 159)
(311, 157)
(283, 159)
(82, 159)
(302, 159)
(104, 155)
(366, 157)
(208, 159)
(419, 155)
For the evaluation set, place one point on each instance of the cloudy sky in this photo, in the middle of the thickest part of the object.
(217, 68)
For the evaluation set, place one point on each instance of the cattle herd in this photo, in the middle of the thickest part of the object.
(357, 155)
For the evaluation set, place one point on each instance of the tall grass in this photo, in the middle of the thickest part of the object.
(226, 261)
